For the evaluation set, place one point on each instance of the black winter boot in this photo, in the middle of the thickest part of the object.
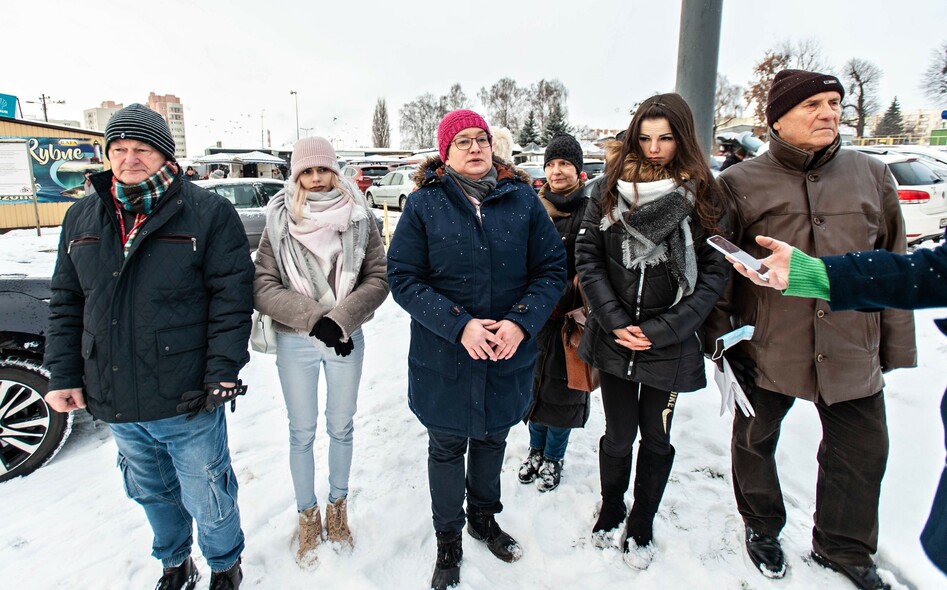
(450, 553)
(651, 477)
(482, 526)
(614, 473)
(228, 580)
(183, 577)
(530, 467)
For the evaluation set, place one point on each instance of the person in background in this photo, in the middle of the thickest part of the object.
(503, 144)
(829, 201)
(650, 280)
(556, 408)
(866, 281)
(320, 274)
(737, 154)
(478, 266)
(191, 174)
(275, 173)
(148, 328)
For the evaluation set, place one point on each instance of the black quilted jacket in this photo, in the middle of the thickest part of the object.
(137, 332)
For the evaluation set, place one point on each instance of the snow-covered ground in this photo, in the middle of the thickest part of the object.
(69, 525)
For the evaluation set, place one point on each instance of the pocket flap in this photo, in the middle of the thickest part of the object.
(88, 344)
(178, 340)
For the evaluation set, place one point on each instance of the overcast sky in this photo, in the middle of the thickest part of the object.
(234, 63)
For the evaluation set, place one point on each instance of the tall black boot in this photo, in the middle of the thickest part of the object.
(450, 552)
(614, 474)
(651, 478)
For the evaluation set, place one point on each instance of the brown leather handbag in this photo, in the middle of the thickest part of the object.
(582, 376)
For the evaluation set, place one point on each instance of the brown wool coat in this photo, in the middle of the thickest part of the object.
(846, 202)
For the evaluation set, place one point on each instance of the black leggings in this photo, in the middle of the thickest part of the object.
(630, 405)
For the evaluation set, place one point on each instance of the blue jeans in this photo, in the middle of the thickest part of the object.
(550, 440)
(299, 360)
(179, 471)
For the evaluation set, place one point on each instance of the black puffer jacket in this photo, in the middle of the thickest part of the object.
(137, 332)
(554, 403)
(618, 298)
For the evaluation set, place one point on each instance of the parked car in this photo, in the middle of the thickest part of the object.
(249, 196)
(392, 189)
(30, 432)
(536, 174)
(922, 193)
(366, 174)
(593, 168)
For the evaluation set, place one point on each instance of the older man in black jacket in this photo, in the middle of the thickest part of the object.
(149, 322)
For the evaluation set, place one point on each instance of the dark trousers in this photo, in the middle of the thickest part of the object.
(630, 406)
(852, 458)
(450, 482)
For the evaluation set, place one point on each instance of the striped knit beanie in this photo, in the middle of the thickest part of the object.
(140, 123)
(791, 87)
(313, 152)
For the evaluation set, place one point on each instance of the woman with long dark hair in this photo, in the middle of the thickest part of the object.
(651, 281)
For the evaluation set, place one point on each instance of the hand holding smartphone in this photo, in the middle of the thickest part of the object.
(728, 248)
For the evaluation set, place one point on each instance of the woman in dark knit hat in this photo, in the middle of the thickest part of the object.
(557, 409)
(651, 280)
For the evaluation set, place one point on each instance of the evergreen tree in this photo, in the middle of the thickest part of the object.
(529, 132)
(891, 124)
(381, 128)
(556, 124)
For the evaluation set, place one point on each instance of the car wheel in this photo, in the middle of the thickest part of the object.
(30, 432)
(371, 199)
(401, 201)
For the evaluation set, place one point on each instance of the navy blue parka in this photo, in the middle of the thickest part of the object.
(446, 267)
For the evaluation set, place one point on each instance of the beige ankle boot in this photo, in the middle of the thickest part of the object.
(337, 523)
(310, 535)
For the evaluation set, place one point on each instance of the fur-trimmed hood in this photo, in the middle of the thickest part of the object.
(433, 169)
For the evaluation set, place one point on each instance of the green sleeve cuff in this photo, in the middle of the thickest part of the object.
(807, 277)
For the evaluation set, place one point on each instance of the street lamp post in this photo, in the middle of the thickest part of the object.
(296, 98)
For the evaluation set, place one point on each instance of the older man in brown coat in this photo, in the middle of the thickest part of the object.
(807, 191)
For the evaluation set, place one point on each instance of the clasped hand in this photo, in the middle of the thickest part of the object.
(631, 337)
(489, 339)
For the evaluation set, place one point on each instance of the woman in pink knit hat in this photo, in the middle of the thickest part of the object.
(320, 274)
(478, 266)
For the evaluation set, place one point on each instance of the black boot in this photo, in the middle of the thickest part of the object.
(228, 580)
(183, 577)
(766, 553)
(530, 467)
(482, 526)
(864, 576)
(450, 552)
(614, 473)
(651, 478)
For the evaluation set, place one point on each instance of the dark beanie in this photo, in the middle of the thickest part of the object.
(142, 124)
(566, 147)
(790, 87)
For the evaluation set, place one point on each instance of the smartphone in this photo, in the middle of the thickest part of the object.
(730, 249)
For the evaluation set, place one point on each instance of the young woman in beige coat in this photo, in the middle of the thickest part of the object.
(320, 274)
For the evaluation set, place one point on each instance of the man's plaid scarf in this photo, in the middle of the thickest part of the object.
(142, 197)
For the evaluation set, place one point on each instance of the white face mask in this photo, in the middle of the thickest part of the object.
(731, 338)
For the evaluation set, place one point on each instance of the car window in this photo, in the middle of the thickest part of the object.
(350, 171)
(388, 179)
(374, 171)
(912, 173)
(396, 179)
(270, 189)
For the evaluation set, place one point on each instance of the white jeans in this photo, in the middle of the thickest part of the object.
(299, 362)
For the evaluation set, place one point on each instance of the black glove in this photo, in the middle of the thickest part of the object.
(330, 333)
(744, 368)
(208, 399)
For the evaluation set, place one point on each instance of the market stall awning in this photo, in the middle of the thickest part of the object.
(260, 158)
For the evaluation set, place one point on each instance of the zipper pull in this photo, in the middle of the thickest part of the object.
(194, 244)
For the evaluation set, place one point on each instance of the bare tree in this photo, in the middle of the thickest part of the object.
(763, 73)
(505, 103)
(544, 96)
(934, 82)
(419, 119)
(861, 79)
(455, 99)
(728, 102)
(806, 54)
(381, 128)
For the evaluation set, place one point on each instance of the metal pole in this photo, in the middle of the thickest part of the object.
(697, 54)
(296, 97)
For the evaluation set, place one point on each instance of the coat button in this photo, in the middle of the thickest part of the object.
(820, 313)
(118, 416)
(167, 348)
(114, 367)
(820, 358)
(817, 220)
(813, 177)
(115, 274)
(114, 322)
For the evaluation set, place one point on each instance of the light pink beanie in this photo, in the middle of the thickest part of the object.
(313, 152)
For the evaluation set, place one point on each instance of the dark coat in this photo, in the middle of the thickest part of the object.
(554, 403)
(617, 295)
(138, 332)
(825, 204)
(446, 267)
(868, 281)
